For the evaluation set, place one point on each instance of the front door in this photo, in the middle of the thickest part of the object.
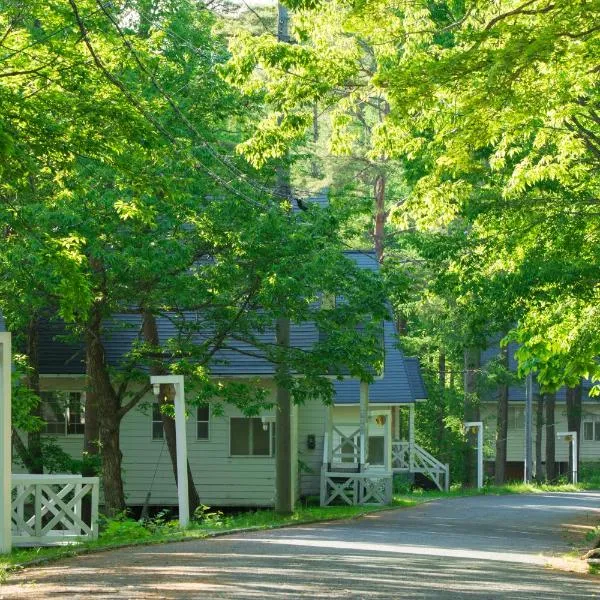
(380, 437)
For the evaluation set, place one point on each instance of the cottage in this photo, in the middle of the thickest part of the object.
(345, 452)
(588, 435)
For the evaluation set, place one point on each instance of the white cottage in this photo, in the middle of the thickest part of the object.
(231, 455)
(588, 436)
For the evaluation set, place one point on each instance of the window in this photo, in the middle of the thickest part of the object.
(516, 418)
(591, 431)
(250, 437)
(202, 423)
(158, 431)
(328, 301)
(63, 412)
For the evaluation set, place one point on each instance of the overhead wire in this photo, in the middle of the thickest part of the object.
(46, 37)
(205, 144)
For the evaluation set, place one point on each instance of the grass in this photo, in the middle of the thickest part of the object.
(122, 532)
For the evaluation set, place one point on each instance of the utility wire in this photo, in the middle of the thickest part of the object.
(46, 37)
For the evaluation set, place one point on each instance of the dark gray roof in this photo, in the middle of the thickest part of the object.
(59, 354)
(516, 393)
(395, 385)
(401, 383)
(415, 378)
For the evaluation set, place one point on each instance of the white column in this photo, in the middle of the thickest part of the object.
(364, 423)
(411, 437)
(5, 443)
(181, 441)
(182, 456)
(574, 457)
(480, 456)
(479, 426)
(328, 440)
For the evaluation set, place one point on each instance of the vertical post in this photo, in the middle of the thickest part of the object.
(181, 437)
(5, 443)
(284, 493)
(411, 438)
(478, 425)
(95, 498)
(480, 456)
(328, 435)
(364, 423)
(574, 457)
(528, 463)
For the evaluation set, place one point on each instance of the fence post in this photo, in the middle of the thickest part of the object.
(5, 444)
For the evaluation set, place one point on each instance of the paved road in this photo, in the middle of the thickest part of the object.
(473, 548)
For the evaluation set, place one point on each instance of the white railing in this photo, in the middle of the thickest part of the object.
(414, 459)
(356, 488)
(346, 442)
(401, 456)
(47, 509)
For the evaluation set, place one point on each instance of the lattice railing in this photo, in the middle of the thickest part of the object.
(401, 456)
(356, 488)
(47, 509)
(348, 447)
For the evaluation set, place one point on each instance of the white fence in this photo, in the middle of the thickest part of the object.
(47, 509)
(356, 488)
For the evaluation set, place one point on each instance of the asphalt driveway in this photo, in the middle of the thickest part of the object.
(481, 547)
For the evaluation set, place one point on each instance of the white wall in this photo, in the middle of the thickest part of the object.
(220, 479)
(589, 452)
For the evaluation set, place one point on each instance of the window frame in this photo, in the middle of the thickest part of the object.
(156, 403)
(66, 399)
(516, 418)
(207, 421)
(595, 431)
(271, 433)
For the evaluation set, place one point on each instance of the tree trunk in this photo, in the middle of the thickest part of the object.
(380, 216)
(502, 424)
(539, 429)
(550, 400)
(167, 396)
(284, 494)
(574, 409)
(34, 439)
(471, 411)
(314, 164)
(441, 416)
(100, 385)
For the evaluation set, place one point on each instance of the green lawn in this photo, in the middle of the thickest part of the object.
(128, 532)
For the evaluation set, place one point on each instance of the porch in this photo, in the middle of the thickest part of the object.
(361, 458)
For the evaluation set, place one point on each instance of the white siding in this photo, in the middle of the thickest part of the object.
(589, 451)
(311, 421)
(220, 479)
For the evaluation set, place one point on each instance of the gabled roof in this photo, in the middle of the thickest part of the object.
(401, 382)
(516, 393)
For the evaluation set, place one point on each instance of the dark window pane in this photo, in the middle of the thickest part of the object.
(156, 414)
(597, 433)
(261, 445)
(54, 412)
(376, 450)
(203, 413)
(56, 428)
(157, 431)
(239, 433)
(202, 432)
(76, 419)
(588, 431)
